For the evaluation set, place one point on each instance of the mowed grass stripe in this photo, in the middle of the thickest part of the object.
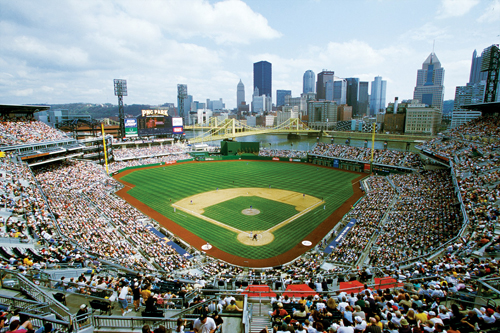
(156, 187)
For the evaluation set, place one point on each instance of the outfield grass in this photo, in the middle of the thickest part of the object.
(271, 213)
(156, 187)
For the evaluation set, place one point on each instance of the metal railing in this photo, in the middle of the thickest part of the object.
(39, 321)
(131, 323)
(12, 280)
(25, 304)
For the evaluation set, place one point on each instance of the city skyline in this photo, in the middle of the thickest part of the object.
(71, 52)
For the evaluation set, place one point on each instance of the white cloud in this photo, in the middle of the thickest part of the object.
(427, 32)
(455, 8)
(492, 13)
(22, 93)
(229, 21)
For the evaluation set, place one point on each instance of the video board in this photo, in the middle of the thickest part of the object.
(157, 125)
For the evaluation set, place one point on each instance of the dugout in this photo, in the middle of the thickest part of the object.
(199, 155)
(231, 148)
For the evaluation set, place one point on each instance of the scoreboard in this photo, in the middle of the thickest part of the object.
(157, 124)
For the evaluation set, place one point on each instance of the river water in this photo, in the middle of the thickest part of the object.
(280, 141)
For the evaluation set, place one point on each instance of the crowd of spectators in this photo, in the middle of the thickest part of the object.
(368, 214)
(115, 166)
(381, 156)
(476, 167)
(26, 130)
(425, 216)
(102, 224)
(144, 152)
(482, 129)
(283, 153)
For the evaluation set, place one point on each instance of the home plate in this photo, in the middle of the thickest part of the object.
(206, 247)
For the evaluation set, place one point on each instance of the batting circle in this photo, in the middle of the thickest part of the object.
(263, 238)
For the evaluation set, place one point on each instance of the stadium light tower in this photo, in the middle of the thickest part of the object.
(120, 91)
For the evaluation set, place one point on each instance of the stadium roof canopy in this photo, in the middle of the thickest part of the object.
(484, 107)
(26, 109)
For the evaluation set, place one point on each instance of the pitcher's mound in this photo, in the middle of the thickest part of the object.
(250, 211)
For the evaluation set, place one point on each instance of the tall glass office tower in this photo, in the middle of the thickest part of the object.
(430, 78)
(262, 78)
(377, 96)
(309, 82)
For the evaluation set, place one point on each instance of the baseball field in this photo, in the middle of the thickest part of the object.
(248, 211)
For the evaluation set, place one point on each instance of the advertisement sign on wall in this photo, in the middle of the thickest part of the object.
(130, 127)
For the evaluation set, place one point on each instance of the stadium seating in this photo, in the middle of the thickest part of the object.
(408, 226)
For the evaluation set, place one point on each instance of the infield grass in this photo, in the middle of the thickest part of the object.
(271, 213)
(156, 187)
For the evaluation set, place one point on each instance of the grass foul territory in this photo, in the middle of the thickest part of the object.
(225, 203)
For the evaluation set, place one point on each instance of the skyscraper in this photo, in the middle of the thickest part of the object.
(352, 94)
(490, 64)
(429, 89)
(262, 77)
(476, 75)
(323, 78)
(308, 82)
(377, 96)
(280, 96)
(362, 107)
(240, 94)
(183, 105)
(339, 91)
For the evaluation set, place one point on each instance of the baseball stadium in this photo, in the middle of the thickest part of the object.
(105, 235)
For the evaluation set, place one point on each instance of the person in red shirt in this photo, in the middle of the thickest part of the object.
(279, 312)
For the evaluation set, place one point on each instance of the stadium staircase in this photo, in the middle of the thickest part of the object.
(260, 320)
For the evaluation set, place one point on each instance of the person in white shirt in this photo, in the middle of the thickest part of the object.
(122, 298)
(342, 305)
(204, 324)
(360, 323)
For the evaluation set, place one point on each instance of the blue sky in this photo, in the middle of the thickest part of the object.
(70, 51)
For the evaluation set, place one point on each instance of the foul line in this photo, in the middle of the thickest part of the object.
(290, 219)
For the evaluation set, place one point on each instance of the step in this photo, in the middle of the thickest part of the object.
(260, 322)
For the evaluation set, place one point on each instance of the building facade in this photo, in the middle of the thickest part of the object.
(323, 77)
(322, 114)
(280, 96)
(183, 103)
(308, 83)
(362, 108)
(262, 77)
(461, 117)
(352, 93)
(339, 91)
(240, 94)
(422, 119)
(377, 96)
(261, 103)
(429, 89)
(344, 112)
(476, 76)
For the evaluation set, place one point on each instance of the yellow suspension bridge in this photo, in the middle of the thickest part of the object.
(232, 128)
